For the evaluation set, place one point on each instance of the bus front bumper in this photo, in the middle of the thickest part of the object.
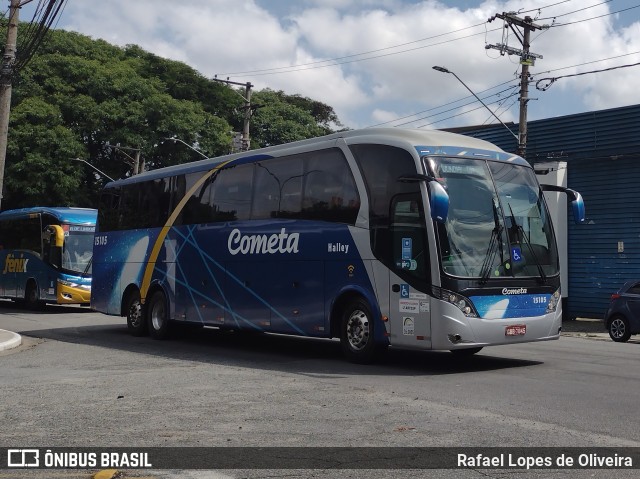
(72, 293)
(456, 331)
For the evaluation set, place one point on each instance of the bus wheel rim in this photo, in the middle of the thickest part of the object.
(135, 314)
(358, 330)
(157, 317)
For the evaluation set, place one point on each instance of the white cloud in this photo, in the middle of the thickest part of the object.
(241, 36)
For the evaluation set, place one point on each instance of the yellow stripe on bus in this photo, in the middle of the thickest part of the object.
(151, 263)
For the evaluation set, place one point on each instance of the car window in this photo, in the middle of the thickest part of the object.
(635, 289)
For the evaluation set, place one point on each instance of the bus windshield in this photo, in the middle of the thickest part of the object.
(78, 250)
(498, 225)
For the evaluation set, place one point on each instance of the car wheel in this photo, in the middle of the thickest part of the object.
(356, 334)
(136, 323)
(158, 316)
(619, 329)
(463, 353)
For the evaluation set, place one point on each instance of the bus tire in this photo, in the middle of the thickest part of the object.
(136, 322)
(31, 300)
(466, 352)
(158, 316)
(356, 332)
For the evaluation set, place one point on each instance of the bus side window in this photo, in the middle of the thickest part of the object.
(409, 242)
(232, 193)
(278, 188)
(330, 193)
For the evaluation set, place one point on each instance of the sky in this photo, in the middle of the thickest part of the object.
(372, 60)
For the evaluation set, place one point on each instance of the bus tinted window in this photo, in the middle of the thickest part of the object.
(232, 193)
(199, 208)
(21, 234)
(108, 209)
(381, 165)
(278, 188)
(329, 189)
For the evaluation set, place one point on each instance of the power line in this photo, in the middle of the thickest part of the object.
(551, 81)
(540, 8)
(442, 106)
(594, 18)
(294, 68)
(575, 11)
(452, 109)
(44, 17)
(355, 54)
(586, 63)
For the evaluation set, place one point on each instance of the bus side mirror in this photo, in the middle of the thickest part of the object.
(577, 203)
(438, 197)
(439, 200)
(577, 206)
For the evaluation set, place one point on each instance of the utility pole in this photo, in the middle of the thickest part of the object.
(137, 165)
(246, 108)
(527, 59)
(6, 74)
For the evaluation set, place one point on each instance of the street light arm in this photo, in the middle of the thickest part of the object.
(444, 70)
(189, 146)
(100, 172)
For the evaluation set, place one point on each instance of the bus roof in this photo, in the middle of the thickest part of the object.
(425, 141)
(63, 214)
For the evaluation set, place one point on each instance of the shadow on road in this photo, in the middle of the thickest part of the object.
(309, 356)
(18, 307)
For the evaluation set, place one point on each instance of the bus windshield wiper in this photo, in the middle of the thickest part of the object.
(494, 243)
(525, 239)
(88, 265)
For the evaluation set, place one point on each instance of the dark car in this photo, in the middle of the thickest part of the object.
(623, 316)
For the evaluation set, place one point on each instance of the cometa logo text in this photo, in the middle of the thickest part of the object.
(15, 265)
(263, 244)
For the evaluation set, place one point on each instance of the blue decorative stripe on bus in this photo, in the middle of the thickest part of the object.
(227, 285)
(511, 306)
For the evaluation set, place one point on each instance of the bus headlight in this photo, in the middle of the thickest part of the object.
(459, 301)
(70, 284)
(553, 302)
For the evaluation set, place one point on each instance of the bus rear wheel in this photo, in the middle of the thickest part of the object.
(136, 323)
(356, 333)
(158, 316)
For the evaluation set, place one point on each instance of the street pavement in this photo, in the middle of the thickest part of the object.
(581, 327)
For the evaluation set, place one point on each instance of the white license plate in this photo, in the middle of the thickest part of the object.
(515, 330)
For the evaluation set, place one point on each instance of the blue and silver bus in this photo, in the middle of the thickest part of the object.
(46, 255)
(378, 237)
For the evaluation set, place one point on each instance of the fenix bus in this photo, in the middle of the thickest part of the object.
(416, 239)
(45, 255)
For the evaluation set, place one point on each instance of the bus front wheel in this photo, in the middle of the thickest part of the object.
(136, 323)
(31, 299)
(356, 334)
(157, 316)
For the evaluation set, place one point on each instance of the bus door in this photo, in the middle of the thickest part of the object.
(409, 306)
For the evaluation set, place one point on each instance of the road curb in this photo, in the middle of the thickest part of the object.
(9, 340)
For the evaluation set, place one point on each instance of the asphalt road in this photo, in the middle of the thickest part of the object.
(79, 380)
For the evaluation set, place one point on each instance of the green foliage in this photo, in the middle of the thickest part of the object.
(84, 98)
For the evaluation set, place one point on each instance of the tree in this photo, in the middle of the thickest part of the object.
(282, 118)
(79, 97)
